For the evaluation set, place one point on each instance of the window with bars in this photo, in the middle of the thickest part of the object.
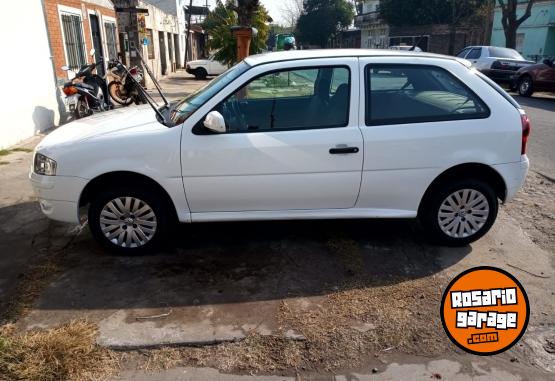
(74, 42)
(110, 29)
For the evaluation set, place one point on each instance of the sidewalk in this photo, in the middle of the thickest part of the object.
(177, 85)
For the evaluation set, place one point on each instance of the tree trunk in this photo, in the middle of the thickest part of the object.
(510, 37)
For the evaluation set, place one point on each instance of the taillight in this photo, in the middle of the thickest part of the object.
(133, 71)
(526, 127)
(70, 90)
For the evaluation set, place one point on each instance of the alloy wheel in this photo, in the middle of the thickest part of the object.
(463, 213)
(128, 222)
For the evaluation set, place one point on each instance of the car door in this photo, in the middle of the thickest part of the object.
(216, 67)
(474, 56)
(545, 77)
(292, 141)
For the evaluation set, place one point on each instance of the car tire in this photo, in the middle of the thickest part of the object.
(525, 86)
(201, 73)
(114, 224)
(459, 212)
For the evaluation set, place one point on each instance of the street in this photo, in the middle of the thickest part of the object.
(541, 109)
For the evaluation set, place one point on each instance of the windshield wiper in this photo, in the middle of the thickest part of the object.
(155, 106)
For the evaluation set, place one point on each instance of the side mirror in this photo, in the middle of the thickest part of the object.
(65, 68)
(214, 121)
(548, 62)
(91, 53)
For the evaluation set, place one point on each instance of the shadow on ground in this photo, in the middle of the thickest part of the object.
(223, 263)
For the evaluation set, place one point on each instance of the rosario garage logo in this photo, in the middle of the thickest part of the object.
(485, 310)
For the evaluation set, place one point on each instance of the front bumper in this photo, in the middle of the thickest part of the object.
(58, 195)
(514, 175)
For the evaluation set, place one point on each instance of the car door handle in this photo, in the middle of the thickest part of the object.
(340, 150)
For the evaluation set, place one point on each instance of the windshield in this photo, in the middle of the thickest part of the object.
(191, 103)
(504, 53)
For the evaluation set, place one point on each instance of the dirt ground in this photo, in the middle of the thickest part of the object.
(534, 209)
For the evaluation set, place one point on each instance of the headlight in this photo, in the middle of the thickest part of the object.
(44, 165)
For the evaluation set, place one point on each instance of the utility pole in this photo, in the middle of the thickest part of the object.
(187, 36)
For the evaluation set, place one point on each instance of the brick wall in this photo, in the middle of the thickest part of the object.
(55, 29)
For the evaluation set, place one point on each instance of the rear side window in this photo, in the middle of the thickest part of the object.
(475, 53)
(397, 94)
(463, 52)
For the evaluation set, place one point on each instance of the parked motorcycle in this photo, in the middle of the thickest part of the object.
(87, 91)
(123, 89)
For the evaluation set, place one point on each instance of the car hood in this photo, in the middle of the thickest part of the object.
(198, 62)
(128, 120)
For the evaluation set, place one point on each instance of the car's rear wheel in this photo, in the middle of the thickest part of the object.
(201, 73)
(525, 86)
(460, 212)
(128, 221)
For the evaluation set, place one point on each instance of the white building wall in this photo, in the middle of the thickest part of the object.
(28, 100)
(159, 21)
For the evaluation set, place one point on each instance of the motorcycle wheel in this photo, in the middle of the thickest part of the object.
(114, 89)
(82, 109)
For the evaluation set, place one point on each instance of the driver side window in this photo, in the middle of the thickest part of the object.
(303, 98)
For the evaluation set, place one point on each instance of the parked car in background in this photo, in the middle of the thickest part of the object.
(539, 77)
(205, 67)
(299, 134)
(497, 63)
(405, 48)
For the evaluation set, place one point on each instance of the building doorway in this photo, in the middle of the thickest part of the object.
(97, 42)
(162, 43)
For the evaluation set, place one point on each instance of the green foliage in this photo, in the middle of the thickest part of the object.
(322, 19)
(218, 24)
(423, 12)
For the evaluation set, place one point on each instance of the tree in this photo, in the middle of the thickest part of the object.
(291, 11)
(322, 19)
(424, 12)
(510, 21)
(218, 24)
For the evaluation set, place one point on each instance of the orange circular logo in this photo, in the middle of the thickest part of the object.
(485, 310)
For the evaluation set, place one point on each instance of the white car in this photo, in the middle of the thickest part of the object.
(302, 134)
(203, 68)
(498, 63)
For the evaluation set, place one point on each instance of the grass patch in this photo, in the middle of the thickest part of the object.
(4, 152)
(29, 288)
(68, 352)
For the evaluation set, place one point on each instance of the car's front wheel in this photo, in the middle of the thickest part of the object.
(459, 212)
(201, 73)
(128, 221)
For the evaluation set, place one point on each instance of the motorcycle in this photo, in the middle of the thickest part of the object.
(124, 89)
(87, 91)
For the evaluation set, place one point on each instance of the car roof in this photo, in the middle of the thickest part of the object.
(291, 55)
